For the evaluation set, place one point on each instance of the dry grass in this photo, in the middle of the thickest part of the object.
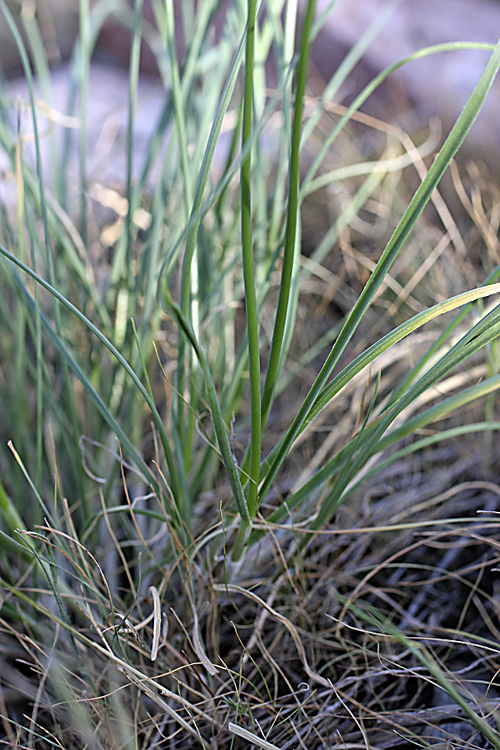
(285, 648)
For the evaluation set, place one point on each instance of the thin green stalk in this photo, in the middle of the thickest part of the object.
(189, 283)
(219, 426)
(291, 245)
(282, 165)
(21, 327)
(179, 96)
(135, 52)
(248, 268)
(40, 395)
(221, 200)
(83, 68)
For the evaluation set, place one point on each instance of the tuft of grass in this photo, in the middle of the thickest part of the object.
(240, 436)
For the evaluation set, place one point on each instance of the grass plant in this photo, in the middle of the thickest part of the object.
(243, 453)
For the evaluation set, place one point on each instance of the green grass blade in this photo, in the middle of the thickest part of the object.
(252, 321)
(479, 336)
(84, 65)
(405, 226)
(373, 438)
(291, 244)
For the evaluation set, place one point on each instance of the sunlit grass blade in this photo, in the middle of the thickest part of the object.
(405, 226)
(373, 440)
(479, 336)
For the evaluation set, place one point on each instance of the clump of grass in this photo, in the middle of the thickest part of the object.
(199, 408)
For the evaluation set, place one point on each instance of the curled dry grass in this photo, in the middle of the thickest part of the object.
(292, 651)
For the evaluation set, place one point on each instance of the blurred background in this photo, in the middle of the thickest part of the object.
(436, 85)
